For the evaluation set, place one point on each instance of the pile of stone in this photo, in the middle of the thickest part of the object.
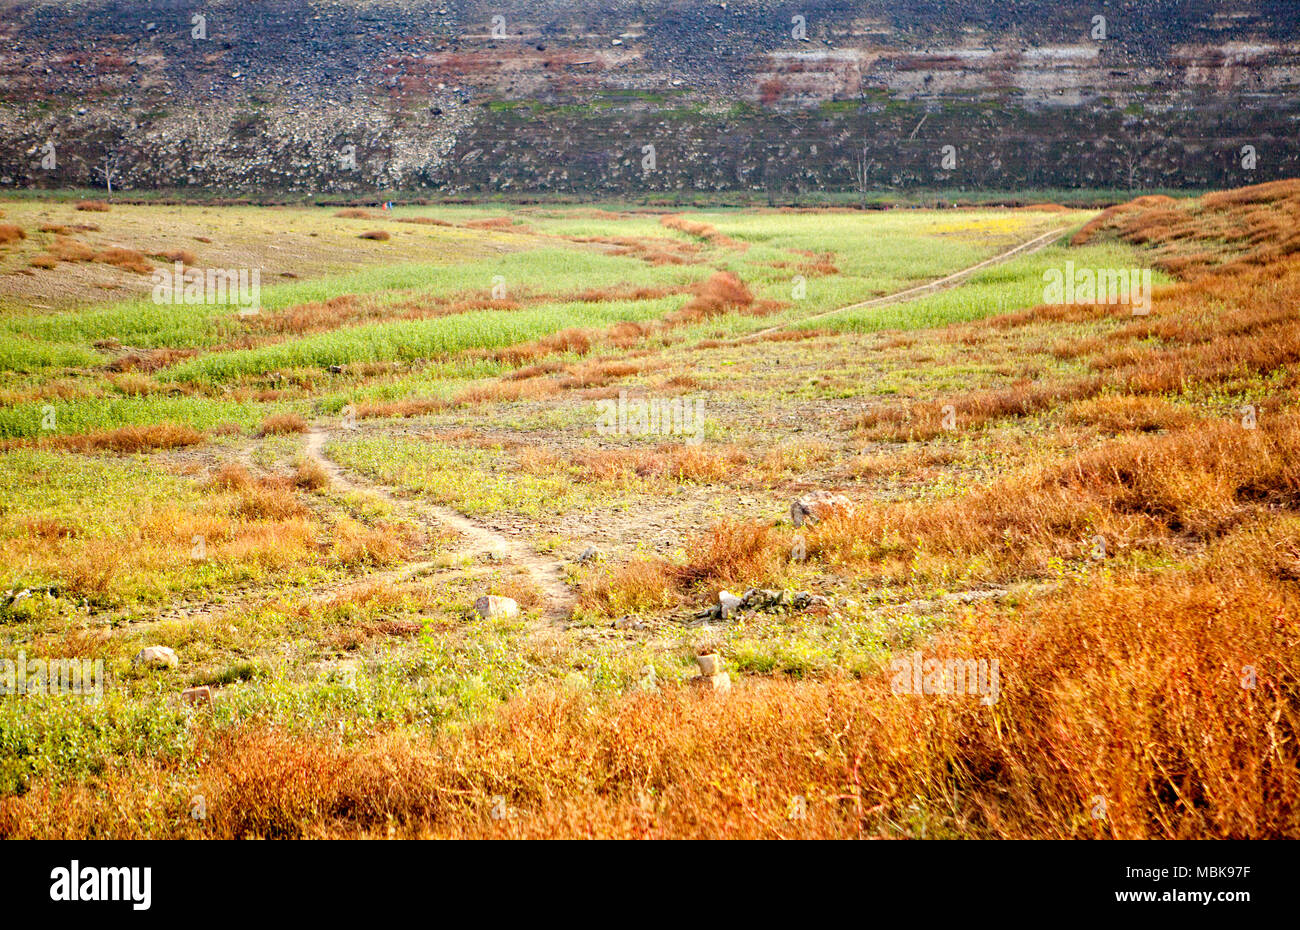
(765, 600)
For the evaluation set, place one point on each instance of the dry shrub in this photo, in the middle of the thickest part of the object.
(723, 292)
(49, 528)
(184, 256)
(126, 259)
(134, 385)
(378, 235)
(150, 360)
(916, 463)
(1141, 704)
(1121, 413)
(674, 461)
(600, 372)
(495, 222)
(424, 221)
(280, 423)
(795, 335)
(125, 439)
(566, 340)
(70, 250)
(43, 260)
(971, 411)
(269, 502)
(703, 231)
(354, 213)
(733, 552)
(231, 476)
(355, 544)
(639, 585)
(11, 233)
(411, 407)
(505, 392)
(93, 206)
(311, 475)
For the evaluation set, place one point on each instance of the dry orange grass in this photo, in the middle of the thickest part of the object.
(184, 256)
(310, 475)
(126, 259)
(1166, 689)
(93, 206)
(413, 407)
(123, 440)
(1141, 704)
(150, 360)
(70, 250)
(703, 231)
(279, 423)
(11, 233)
(424, 221)
(378, 235)
(356, 545)
(1247, 227)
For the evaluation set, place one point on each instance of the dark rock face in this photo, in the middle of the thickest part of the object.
(357, 96)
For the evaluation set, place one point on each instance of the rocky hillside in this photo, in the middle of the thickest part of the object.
(461, 96)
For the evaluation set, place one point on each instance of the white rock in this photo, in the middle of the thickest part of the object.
(718, 684)
(710, 664)
(492, 607)
(728, 604)
(818, 505)
(157, 657)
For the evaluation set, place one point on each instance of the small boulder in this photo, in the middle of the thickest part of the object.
(492, 607)
(648, 680)
(156, 657)
(199, 695)
(590, 554)
(816, 506)
(709, 664)
(718, 684)
(728, 604)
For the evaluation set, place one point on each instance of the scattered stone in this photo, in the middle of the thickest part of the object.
(590, 554)
(816, 506)
(629, 622)
(763, 599)
(156, 657)
(492, 607)
(199, 695)
(970, 597)
(336, 369)
(926, 606)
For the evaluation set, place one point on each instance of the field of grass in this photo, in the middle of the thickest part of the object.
(305, 502)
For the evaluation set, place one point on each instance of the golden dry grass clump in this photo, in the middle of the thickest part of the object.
(284, 423)
(1249, 226)
(124, 440)
(1176, 706)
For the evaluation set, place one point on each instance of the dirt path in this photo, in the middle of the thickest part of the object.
(932, 287)
(546, 574)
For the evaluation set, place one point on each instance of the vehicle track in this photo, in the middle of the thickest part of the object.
(932, 287)
(546, 574)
